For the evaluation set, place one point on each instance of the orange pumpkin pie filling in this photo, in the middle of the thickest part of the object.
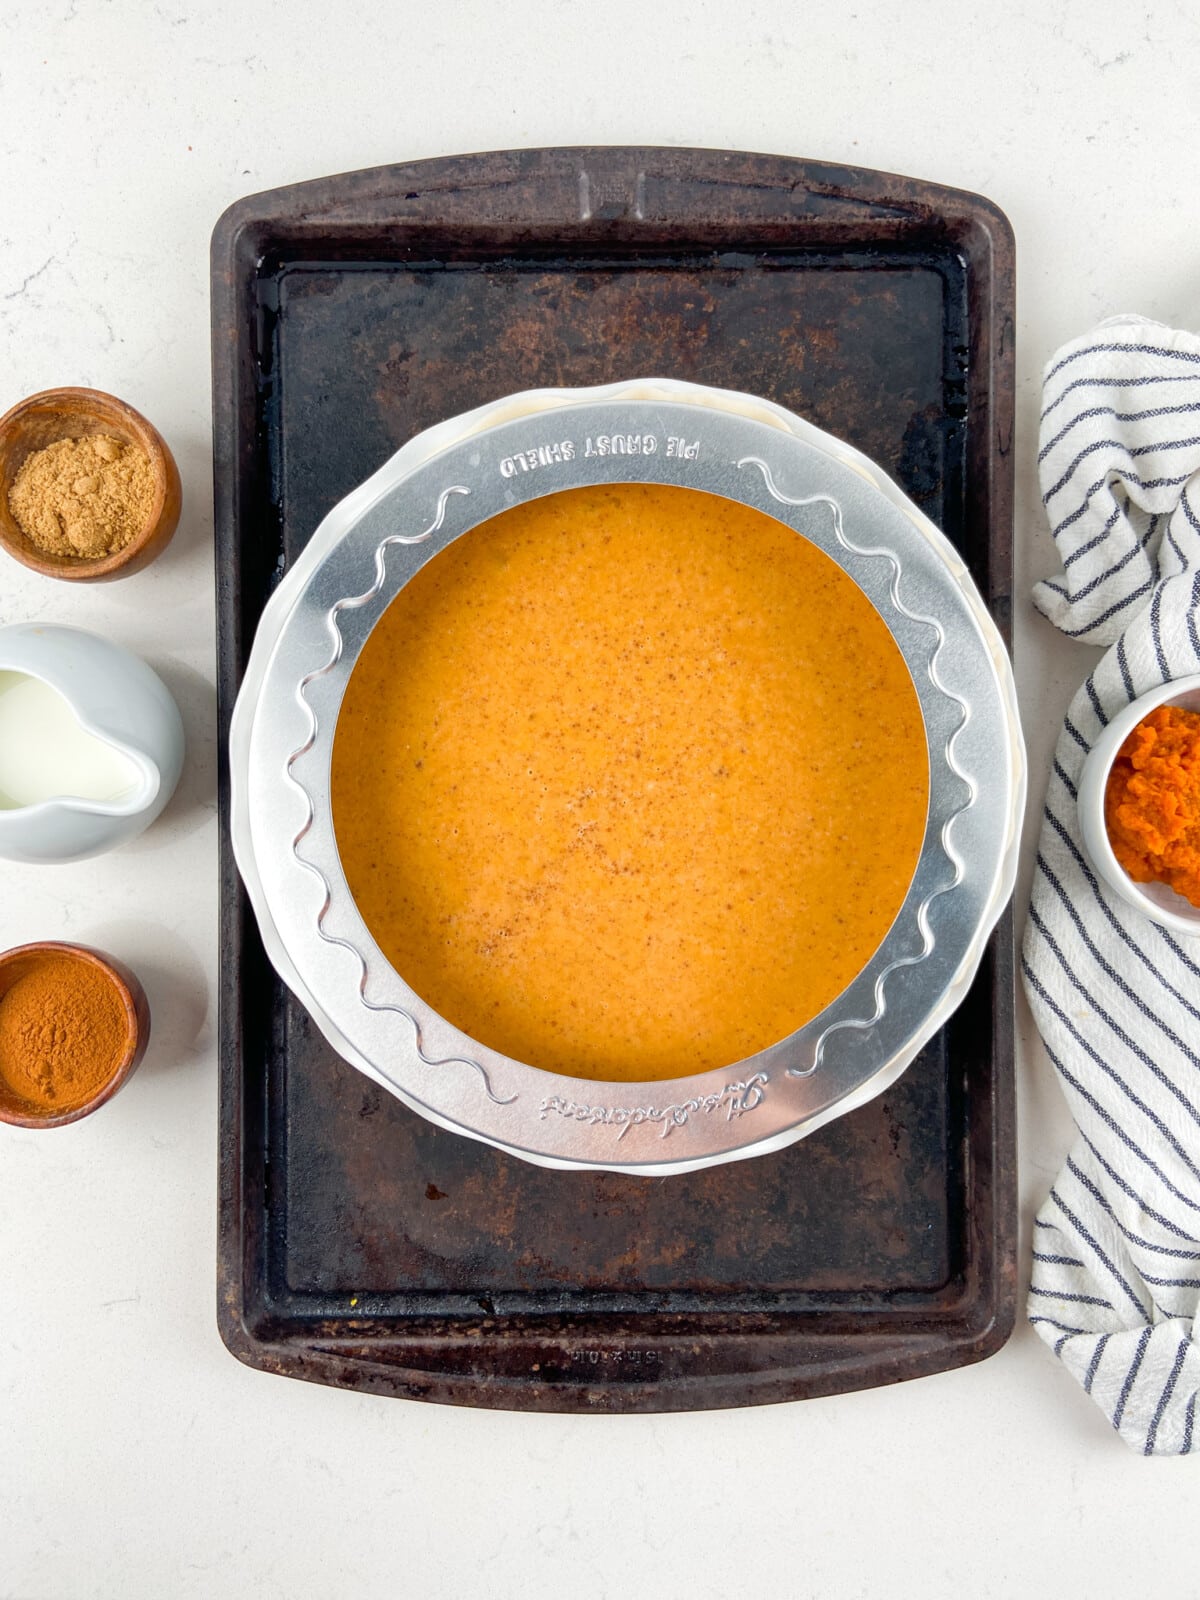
(629, 782)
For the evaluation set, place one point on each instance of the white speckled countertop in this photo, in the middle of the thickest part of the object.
(136, 1456)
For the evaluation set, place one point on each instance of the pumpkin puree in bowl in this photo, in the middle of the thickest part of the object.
(629, 782)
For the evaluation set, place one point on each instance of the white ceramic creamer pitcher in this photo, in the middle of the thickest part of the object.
(91, 744)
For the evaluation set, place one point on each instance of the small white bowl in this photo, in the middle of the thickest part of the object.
(1154, 900)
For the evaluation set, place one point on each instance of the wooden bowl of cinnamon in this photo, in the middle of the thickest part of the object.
(89, 490)
(74, 1025)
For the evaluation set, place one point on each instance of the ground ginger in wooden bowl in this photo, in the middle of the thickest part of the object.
(89, 490)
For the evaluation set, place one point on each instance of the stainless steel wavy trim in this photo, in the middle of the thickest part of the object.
(948, 848)
(352, 603)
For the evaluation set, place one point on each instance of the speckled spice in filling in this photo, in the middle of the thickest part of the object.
(630, 782)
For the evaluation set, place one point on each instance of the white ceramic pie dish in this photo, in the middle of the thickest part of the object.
(456, 476)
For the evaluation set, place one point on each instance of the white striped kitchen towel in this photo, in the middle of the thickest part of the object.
(1116, 1253)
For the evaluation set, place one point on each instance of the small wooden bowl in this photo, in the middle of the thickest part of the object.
(43, 419)
(15, 964)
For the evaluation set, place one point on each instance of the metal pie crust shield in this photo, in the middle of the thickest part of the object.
(456, 476)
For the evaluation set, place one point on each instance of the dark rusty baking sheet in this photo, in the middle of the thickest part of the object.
(360, 1245)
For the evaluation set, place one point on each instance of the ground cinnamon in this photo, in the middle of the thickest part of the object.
(63, 1032)
(83, 497)
(1152, 801)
